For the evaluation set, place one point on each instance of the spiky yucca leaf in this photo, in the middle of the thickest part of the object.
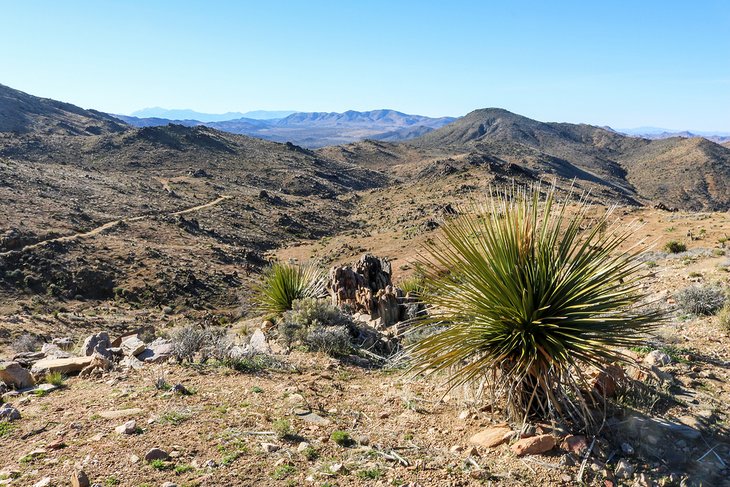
(284, 283)
(530, 300)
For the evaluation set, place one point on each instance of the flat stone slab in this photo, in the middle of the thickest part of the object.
(121, 413)
(61, 365)
(132, 346)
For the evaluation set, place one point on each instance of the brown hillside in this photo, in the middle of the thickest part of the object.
(24, 113)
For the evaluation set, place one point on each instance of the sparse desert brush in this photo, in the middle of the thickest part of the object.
(209, 343)
(705, 299)
(282, 284)
(55, 378)
(317, 324)
(412, 285)
(723, 316)
(531, 301)
(675, 247)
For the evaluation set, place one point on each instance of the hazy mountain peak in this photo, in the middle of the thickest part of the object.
(188, 114)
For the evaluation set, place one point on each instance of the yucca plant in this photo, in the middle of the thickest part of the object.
(529, 300)
(284, 283)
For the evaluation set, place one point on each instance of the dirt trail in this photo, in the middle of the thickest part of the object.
(114, 223)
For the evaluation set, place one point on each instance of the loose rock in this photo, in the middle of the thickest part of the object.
(98, 343)
(128, 428)
(658, 358)
(132, 346)
(491, 437)
(534, 445)
(156, 454)
(624, 470)
(79, 479)
(9, 413)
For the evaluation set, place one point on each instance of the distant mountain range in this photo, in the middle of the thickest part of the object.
(312, 129)
(689, 173)
(655, 133)
(184, 114)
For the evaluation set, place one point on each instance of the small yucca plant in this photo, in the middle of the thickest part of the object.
(283, 283)
(529, 299)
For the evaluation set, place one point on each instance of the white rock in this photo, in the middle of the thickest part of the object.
(258, 342)
(128, 428)
(657, 357)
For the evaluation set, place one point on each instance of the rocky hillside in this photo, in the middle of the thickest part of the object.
(643, 169)
(23, 113)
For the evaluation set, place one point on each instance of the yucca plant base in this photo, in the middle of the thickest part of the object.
(533, 297)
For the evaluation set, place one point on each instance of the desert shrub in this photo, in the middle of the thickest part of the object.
(724, 316)
(706, 299)
(332, 340)
(531, 296)
(317, 324)
(342, 438)
(189, 341)
(25, 343)
(282, 428)
(282, 284)
(674, 247)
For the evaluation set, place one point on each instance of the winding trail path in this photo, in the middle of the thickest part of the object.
(114, 223)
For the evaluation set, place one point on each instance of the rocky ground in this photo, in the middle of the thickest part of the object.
(275, 426)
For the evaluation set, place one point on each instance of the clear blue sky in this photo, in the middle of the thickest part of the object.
(618, 63)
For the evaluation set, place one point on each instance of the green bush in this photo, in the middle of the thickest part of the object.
(530, 301)
(706, 299)
(55, 378)
(674, 247)
(342, 438)
(282, 284)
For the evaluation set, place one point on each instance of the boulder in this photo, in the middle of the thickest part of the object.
(13, 374)
(132, 346)
(158, 351)
(491, 437)
(131, 363)
(156, 454)
(534, 445)
(98, 342)
(258, 342)
(389, 308)
(9, 413)
(64, 366)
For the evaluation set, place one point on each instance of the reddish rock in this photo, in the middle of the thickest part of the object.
(491, 437)
(534, 445)
(576, 444)
(606, 381)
